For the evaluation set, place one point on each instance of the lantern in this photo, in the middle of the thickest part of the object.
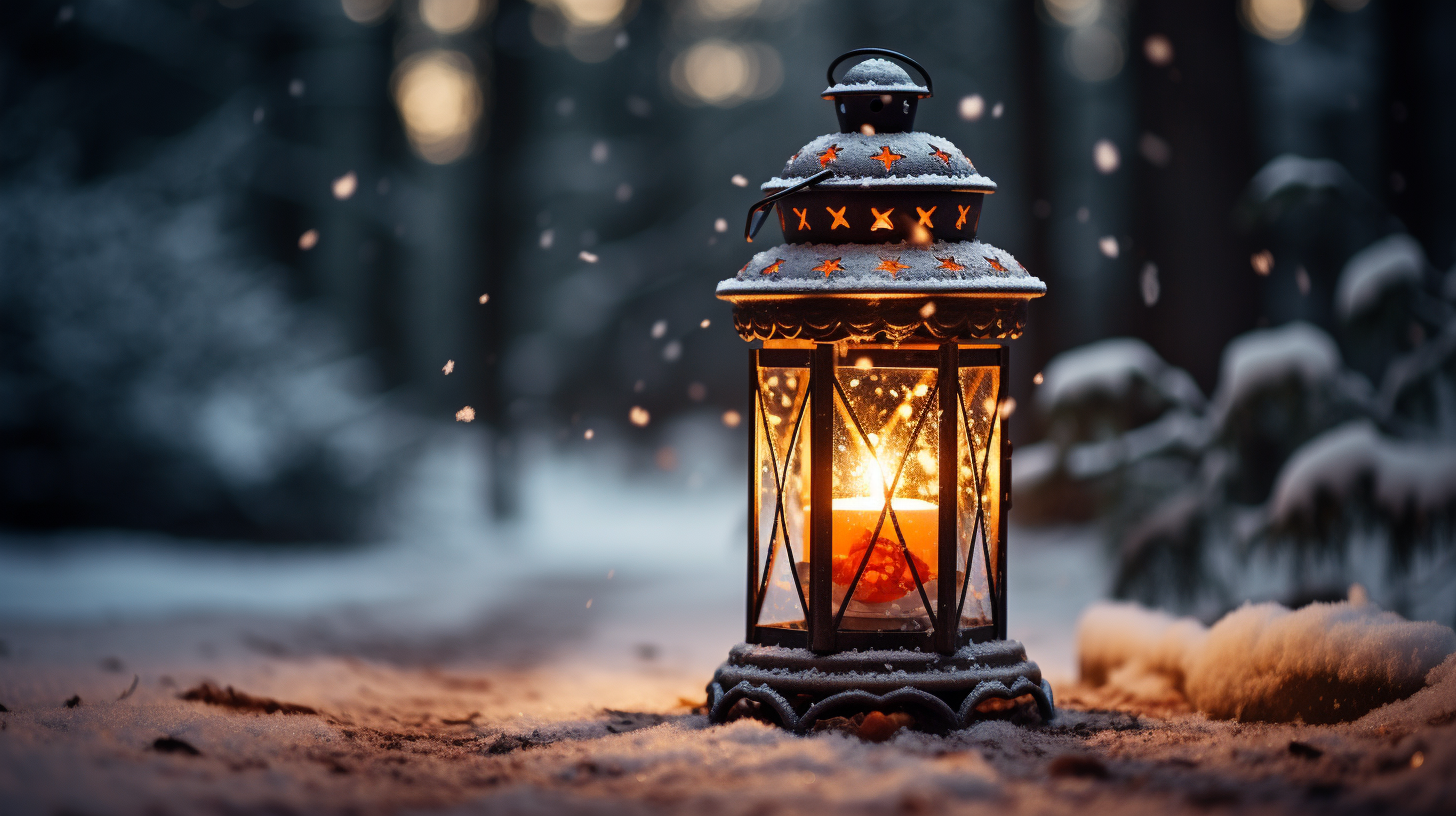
(880, 466)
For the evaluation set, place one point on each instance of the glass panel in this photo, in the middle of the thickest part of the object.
(889, 440)
(980, 473)
(784, 394)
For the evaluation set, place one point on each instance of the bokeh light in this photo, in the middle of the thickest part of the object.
(1279, 21)
(454, 16)
(1073, 12)
(366, 12)
(725, 9)
(1094, 53)
(440, 102)
(587, 13)
(722, 73)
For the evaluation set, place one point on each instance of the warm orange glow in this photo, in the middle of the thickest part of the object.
(838, 218)
(965, 213)
(882, 219)
(925, 217)
(773, 267)
(942, 155)
(854, 522)
(830, 154)
(949, 262)
(887, 577)
(831, 265)
(995, 264)
(891, 265)
(887, 158)
(803, 217)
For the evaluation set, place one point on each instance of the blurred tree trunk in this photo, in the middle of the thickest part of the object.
(1420, 122)
(1182, 213)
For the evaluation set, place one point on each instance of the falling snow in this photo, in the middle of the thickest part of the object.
(345, 185)
(972, 107)
(1158, 49)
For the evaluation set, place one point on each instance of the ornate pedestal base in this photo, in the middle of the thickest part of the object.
(941, 691)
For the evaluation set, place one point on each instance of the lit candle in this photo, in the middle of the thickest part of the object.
(887, 577)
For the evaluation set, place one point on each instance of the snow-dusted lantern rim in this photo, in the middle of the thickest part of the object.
(880, 467)
(965, 290)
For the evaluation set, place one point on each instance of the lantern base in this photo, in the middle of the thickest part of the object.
(943, 692)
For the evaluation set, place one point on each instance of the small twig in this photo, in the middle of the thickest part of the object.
(135, 678)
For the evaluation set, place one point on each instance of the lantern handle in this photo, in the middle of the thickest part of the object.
(884, 52)
(758, 213)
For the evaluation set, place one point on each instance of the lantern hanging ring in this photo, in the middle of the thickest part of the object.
(885, 52)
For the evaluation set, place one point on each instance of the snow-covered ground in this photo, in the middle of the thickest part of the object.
(553, 665)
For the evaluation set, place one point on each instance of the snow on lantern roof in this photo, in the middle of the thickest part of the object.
(875, 76)
(964, 267)
(911, 159)
(905, 262)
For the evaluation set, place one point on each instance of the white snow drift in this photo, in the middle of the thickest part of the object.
(1326, 662)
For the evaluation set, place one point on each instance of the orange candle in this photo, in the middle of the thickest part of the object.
(887, 577)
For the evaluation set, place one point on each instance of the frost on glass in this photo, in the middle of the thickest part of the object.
(783, 460)
(888, 445)
(978, 493)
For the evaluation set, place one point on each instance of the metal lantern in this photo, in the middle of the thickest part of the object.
(880, 476)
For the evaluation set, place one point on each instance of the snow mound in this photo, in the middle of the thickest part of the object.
(1135, 648)
(1326, 662)
(1384, 265)
(1113, 369)
(1265, 358)
(1289, 173)
(1339, 465)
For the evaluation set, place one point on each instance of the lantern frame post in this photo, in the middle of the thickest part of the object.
(820, 617)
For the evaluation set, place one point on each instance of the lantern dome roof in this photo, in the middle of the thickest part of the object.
(881, 160)
(880, 223)
(876, 76)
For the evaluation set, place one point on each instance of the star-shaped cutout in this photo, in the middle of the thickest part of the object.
(831, 265)
(838, 217)
(882, 219)
(887, 158)
(942, 155)
(995, 264)
(830, 154)
(949, 262)
(891, 265)
(773, 267)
